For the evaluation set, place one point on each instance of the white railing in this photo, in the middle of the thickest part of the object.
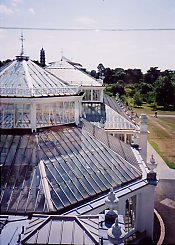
(15, 91)
(38, 91)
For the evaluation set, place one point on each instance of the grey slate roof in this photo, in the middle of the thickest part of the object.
(80, 163)
(62, 230)
(12, 228)
(52, 229)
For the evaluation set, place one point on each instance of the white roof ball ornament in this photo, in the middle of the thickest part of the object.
(111, 200)
(116, 233)
(152, 165)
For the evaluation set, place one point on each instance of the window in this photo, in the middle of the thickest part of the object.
(55, 113)
(130, 213)
(87, 96)
(15, 115)
(128, 138)
(96, 95)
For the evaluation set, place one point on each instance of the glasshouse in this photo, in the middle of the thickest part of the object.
(69, 161)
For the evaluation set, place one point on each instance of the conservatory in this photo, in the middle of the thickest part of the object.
(97, 107)
(32, 97)
(56, 159)
(74, 74)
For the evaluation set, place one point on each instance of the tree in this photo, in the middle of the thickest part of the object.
(152, 75)
(145, 89)
(138, 99)
(37, 62)
(119, 74)
(129, 90)
(151, 97)
(108, 73)
(165, 91)
(2, 63)
(93, 73)
(101, 69)
(117, 88)
(133, 76)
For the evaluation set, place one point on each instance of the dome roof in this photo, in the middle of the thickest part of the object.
(72, 73)
(24, 78)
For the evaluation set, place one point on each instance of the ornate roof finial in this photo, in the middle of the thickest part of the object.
(152, 165)
(22, 44)
(151, 176)
(22, 57)
(111, 202)
(116, 233)
(61, 54)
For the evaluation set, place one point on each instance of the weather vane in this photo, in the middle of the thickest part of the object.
(22, 44)
(61, 54)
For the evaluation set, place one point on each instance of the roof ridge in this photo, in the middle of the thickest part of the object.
(89, 233)
(43, 223)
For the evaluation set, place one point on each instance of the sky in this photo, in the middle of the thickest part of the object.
(125, 49)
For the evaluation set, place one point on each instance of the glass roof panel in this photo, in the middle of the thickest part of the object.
(25, 78)
(106, 117)
(56, 199)
(71, 74)
(76, 166)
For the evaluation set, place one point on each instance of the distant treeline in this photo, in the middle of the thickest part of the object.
(2, 63)
(155, 87)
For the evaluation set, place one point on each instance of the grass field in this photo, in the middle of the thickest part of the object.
(149, 110)
(161, 134)
(162, 138)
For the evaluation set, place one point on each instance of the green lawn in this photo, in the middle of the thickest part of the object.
(161, 134)
(147, 109)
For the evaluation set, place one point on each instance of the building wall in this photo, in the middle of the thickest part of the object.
(140, 212)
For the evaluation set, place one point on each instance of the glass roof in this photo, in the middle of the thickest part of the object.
(117, 107)
(72, 74)
(23, 77)
(124, 150)
(103, 115)
(76, 166)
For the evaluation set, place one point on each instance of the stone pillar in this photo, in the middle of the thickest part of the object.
(143, 136)
(140, 213)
